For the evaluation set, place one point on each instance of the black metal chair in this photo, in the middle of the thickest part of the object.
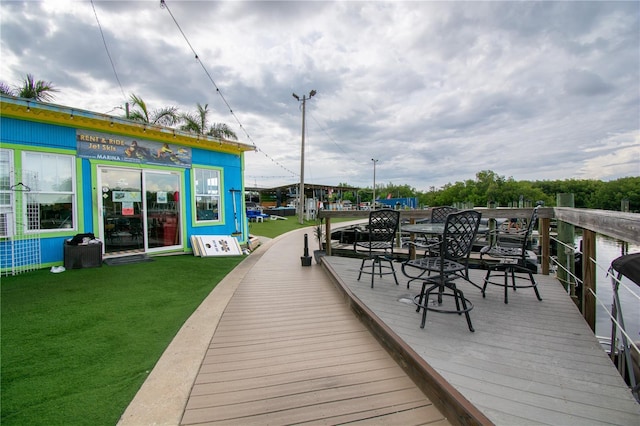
(460, 230)
(377, 243)
(439, 214)
(510, 249)
(628, 358)
(428, 244)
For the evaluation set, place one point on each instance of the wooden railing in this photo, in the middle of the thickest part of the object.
(619, 225)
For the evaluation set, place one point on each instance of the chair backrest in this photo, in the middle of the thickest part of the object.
(383, 224)
(460, 230)
(527, 234)
(439, 214)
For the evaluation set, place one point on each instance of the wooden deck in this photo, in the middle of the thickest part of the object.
(528, 362)
(289, 350)
(278, 343)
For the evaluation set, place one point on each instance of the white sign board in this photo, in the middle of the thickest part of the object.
(215, 245)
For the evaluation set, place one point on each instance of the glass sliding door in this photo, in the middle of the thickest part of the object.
(163, 209)
(121, 205)
(140, 210)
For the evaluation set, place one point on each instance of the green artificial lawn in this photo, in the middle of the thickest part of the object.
(77, 346)
(272, 228)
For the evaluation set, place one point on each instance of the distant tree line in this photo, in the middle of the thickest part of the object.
(488, 186)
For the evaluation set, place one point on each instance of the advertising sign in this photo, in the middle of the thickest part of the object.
(103, 146)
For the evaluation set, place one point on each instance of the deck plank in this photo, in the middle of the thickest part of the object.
(528, 362)
(288, 349)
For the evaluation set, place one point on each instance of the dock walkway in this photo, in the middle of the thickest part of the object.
(275, 343)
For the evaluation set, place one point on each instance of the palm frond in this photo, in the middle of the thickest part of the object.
(139, 110)
(39, 90)
(165, 116)
(191, 123)
(222, 131)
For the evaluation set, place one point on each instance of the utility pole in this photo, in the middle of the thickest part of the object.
(301, 190)
(373, 205)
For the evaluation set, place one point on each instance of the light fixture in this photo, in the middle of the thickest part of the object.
(174, 134)
(71, 115)
(28, 107)
(111, 123)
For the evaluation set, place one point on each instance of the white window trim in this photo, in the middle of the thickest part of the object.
(195, 195)
(7, 220)
(74, 196)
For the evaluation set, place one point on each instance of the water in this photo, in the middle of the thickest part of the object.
(608, 249)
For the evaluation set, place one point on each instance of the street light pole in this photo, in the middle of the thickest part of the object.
(301, 190)
(374, 183)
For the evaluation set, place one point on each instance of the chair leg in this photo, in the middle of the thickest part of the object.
(506, 285)
(466, 313)
(393, 269)
(373, 269)
(426, 300)
(535, 286)
(486, 281)
(361, 267)
(424, 318)
(424, 286)
(455, 296)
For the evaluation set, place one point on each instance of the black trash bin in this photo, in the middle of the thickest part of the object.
(82, 251)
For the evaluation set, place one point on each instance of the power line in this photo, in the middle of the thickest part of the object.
(163, 4)
(328, 135)
(104, 41)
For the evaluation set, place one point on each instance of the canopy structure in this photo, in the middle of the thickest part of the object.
(629, 266)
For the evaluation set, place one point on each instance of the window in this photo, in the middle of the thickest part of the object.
(6, 196)
(50, 203)
(206, 184)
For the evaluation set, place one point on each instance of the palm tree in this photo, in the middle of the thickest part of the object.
(197, 123)
(165, 116)
(38, 90)
(31, 89)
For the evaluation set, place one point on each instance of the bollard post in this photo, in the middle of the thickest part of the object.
(306, 259)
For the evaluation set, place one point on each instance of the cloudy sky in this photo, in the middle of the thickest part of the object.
(435, 91)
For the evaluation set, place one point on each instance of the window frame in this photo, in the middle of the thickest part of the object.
(34, 191)
(8, 210)
(194, 198)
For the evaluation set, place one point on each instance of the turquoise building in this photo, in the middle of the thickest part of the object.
(137, 187)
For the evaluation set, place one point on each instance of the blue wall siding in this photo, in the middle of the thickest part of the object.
(37, 134)
(232, 179)
(53, 249)
(86, 222)
(200, 156)
(17, 254)
(41, 135)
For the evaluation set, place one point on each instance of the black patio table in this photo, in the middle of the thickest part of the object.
(431, 229)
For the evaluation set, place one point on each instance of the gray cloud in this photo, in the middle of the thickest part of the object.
(437, 91)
